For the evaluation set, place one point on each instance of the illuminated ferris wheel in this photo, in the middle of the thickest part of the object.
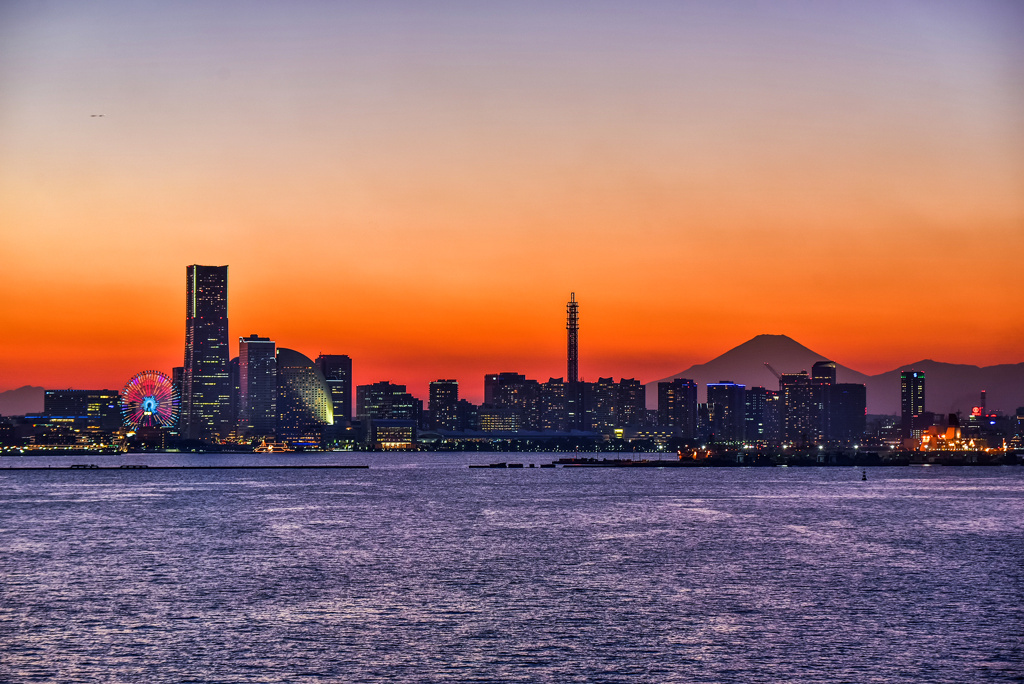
(149, 400)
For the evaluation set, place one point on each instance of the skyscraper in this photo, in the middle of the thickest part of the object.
(257, 381)
(206, 392)
(304, 406)
(677, 406)
(337, 370)
(911, 402)
(444, 401)
(727, 410)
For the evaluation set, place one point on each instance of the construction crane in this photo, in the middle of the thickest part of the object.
(778, 376)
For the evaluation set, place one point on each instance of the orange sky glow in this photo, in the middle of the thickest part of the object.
(423, 190)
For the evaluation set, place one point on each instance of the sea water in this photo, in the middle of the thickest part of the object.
(422, 569)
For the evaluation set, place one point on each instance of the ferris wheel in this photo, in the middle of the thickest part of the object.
(149, 400)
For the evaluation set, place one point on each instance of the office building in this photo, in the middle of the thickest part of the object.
(801, 413)
(727, 411)
(847, 413)
(257, 380)
(761, 409)
(912, 403)
(677, 406)
(83, 410)
(304, 406)
(443, 404)
(206, 391)
(337, 370)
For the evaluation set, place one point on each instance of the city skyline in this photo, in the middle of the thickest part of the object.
(420, 190)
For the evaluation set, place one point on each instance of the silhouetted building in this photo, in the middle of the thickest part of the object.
(677, 406)
(443, 404)
(469, 418)
(801, 408)
(600, 404)
(911, 403)
(551, 399)
(632, 403)
(824, 372)
(727, 410)
(386, 401)
(206, 391)
(257, 380)
(337, 370)
(513, 391)
(761, 413)
(847, 413)
(83, 410)
(304, 406)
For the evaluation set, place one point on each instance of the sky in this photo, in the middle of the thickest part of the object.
(420, 185)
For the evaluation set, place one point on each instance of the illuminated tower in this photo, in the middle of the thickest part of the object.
(911, 402)
(337, 370)
(572, 324)
(206, 391)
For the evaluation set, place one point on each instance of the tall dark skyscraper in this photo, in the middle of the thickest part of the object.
(911, 402)
(257, 383)
(337, 370)
(677, 406)
(206, 391)
(444, 402)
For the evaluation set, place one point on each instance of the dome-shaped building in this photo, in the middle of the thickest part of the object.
(304, 406)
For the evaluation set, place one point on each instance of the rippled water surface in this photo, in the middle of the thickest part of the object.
(421, 569)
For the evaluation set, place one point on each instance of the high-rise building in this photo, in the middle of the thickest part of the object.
(443, 404)
(824, 372)
(206, 391)
(257, 380)
(911, 402)
(385, 401)
(632, 403)
(847, 413)
(600, 404)
(801, 414)
(304, 406)
(337, 369)
(727, 410)
(762, 415)
(551, 402)
(677, 406)
(514, 391)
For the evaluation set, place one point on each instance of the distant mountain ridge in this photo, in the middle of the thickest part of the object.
(18, 402)
(948, 387)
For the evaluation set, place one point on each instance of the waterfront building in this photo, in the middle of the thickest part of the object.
(551, 398)
(304, 406)
(337, 370)
(600, 404)
(761, 416)
(206, 391)
(443, 404)
(83, 410)
(847, 413)
(912, 403)
(631, 403)
(677, 406)
(727, 410)
(801, 408)
(514, 391)
(386, 401)
(257, 379)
